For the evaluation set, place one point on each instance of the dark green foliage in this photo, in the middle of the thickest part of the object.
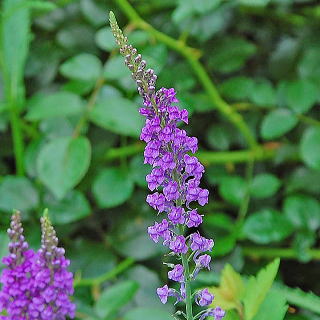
(69, 139)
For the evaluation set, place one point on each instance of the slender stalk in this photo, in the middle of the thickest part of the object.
(283, 253)
(121, 267)
(185, 264)
(261, 153)
(91, 102)
(192, 56)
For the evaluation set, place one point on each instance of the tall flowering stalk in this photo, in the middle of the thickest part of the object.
(16, 277)
(174, 181)
(35, 286)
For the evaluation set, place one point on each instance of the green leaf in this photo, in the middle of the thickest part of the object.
(258, 287)
(277, 123)
(105, 39)
(299, 298)
(309, 147)
(273, 307)
(233, 189)
(62, 163)
(219, 137)
(112, 187)
(231, 53)
(118, 115)
(17, 193)
(58, 104)
(237, 88)
(303, 211)
(115, 69)
(263, 93)
(14, 49)
(302, 242)
(266, 226)
(95, 258)
(94, 12)
(114, 298)
(264, 185)
(72, 208)
(147, 313)
(138, 171)
(301, 95)
(4, 242)
(84, 67)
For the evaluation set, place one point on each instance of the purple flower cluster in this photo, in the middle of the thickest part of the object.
(36, 286)
(174, 179)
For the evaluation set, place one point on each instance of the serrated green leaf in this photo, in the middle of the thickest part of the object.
(258, 287)
(115, 297)
(273, 307)
(299, 298)
(62, 163)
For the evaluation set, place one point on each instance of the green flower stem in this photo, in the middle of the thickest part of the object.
(121, 267)
(192, 56)
(283, 253)
(261, 153)
(185, 264)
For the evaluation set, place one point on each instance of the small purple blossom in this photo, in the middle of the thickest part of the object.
(176, 274)
(217, 313)
(200, 243)
(204, 298)
(204, 261)
(178, 245)
(194, 219)
(176, 215)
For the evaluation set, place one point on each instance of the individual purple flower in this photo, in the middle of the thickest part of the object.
(156, 201)
(194, 218)
(171, 191)
(203, 197)
(200, 243)
(15, 278)
(204, 261)
(152, 151)
(204, 298)
(178, 245)
(176, 215)
(217, 313)
(176, 274)
(155, 178)
(160, 230)
(53, 283)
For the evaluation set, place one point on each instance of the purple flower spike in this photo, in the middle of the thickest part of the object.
(53, 283)
(175, 175)
(177, 273)
(16, 280)
(204, 298)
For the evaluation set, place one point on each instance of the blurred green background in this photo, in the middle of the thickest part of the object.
(248, 71)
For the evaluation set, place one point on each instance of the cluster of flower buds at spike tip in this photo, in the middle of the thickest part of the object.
(53, 283)
(16, 277)
(174, 182)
